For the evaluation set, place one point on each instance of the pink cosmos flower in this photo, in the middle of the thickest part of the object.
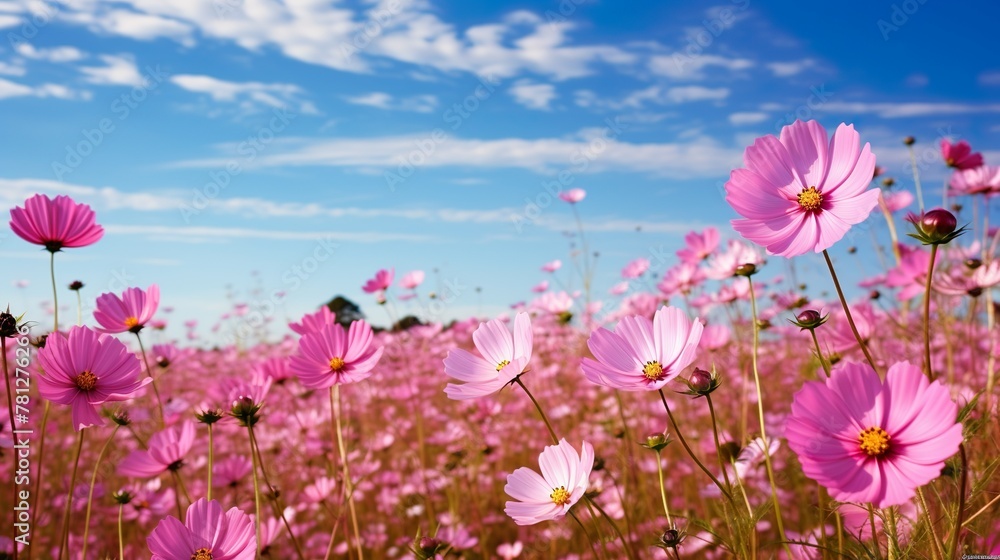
(504, 357)
(130, 312)
(681, 279)
(381, 281)
(800, 192)
(618, 289)
(635, 269)
(911, 273)
(332, 356)
(510, 551)
(312, 322)
(85, 369)
(984, 179)
(207, 533)
(552, 266)
(699, 246)
(724, 264)
(957, 283)
(412, 279)
(897, 200)
(871, 441)
(166, 452)
(960, 155)
(540, 287)
(573, 196)
(643, 355)
(55, 224)
(564, 479)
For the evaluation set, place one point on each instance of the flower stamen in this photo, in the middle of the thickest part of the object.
(810, 199)
(874, 441)
(86, 381)
(336, 363)
(560, 496)
(202, 554)
(653, 371)
(503, 364)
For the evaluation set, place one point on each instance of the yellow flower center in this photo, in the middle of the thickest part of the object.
(810, 199)
(86, 381)
(560, 496)
(202, 554)
(653, 371)
(503, 364)
(874, 441)
(131, 322)
(336, 364)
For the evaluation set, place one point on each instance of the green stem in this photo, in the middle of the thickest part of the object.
(149, 371)
(847, 312)
(928, 368)
(690, 453)
(614, 526)
(718, 445)
(555, 439)
(63, 546)
(10, 411)
(121, 541)
(590, 539)
(760, 417)
(277, 505)
(871, 521)
(348, 485)
(41, 468)
(819, 353)
(916, 177)
(256, 491)
(938, 545)
(90, 494)
(55, 291)
(211, 455)
(964, 480)
(663, 489)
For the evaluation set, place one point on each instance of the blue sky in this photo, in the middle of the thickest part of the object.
(238, 134)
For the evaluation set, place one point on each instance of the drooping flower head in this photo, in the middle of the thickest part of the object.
(550, 495)
(380, 282)
(55, 223)
(960, 155)
(332, 356)
(207, 533)
(504, 356)
(873, 441)
(128, 313)
(85, 369)
(801, 192)
(643, 355)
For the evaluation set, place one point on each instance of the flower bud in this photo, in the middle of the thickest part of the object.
(123, 497)
(935, 227)
(76, 285)
(701, 380)
(909, 140)
(671, 538)
(888, 182)
(809, 319)
(8, 325)
(747, 269)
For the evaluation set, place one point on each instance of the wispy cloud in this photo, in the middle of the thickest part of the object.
(381, 100)
(901, 110)
(533, 95)
(118, 70)
(250, 96)
(56, 91)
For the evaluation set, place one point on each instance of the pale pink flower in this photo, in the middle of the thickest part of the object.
(505, 355)
(699, 246)
(412, 279)
(552, 266)
(563, 482)
(984, 179)
(573, 195)
(635, 269)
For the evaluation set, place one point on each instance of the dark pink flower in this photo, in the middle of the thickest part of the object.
(331, 356)
(699, 246)
(960, 155)
(55, 223)
(873, 441)
(802, 192)
(85, 369)
(128, 313)
(167, 450)
(312, 322)
(381, 281)
(207, 533)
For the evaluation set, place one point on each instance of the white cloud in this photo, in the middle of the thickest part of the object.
(381, 100)
(682, 66)
(658, 95)
(696, 93)
(251, 96)
(55, 54)
(118, 70)
(784, 69)
(15, 69)
(901, 110)
(532, 95)
(747, 118)
(13, 89)
(696, 157)
(990, 78)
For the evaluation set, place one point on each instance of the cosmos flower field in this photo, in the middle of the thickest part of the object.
(708, 414)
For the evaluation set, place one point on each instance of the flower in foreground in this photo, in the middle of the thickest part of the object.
(550, 495)
(85, 369)
(207, 533)
(873, 441)
(55, 223)
(332, 356)
(128, 313)
(801, 193)
(643, 355)
(504, 357)
(166, 452)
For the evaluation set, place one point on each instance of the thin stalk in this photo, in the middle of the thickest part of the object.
(55, 291)
(211, 447)
(121, 541)
(256, 492)
(590, 539)
(277, 505)
(718, 445)
(916, 177)
(63, 547)
(938, 545)
(964, 480)
(663, 489)
(847, 312)
(680, 437)
(90, 494)
(149, 371)
(982, 510)
(555, 439)
(348, 485)
(79, 308)
(10, 411)
(871, 521)
(41, 465)
(928, 368)
(614, 526)
(760, 417)
(819, 353)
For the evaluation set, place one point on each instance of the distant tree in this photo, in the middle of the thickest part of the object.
(346, 310)
(406, 322)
